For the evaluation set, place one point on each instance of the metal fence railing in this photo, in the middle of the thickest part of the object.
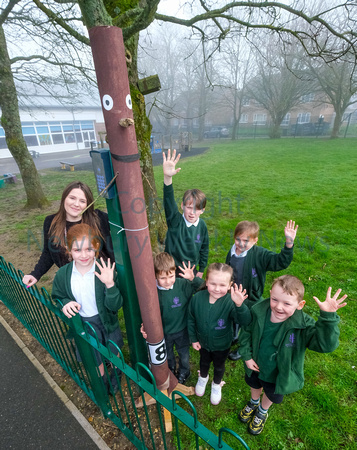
(128, 409)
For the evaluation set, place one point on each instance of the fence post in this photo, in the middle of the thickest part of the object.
(90, 364)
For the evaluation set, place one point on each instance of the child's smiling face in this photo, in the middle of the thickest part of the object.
(282, 304)
(83, 253)
(218, 284)
(166, 279)
(244, 242)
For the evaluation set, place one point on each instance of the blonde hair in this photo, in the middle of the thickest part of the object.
(163, 262)
(220, 267)
(291, 285)
(252, 228)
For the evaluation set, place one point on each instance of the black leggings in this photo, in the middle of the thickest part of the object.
(218, 358)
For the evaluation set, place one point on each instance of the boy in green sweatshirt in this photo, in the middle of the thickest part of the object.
(273, 346)
(251, 262)
(174, 297)
(187, 235)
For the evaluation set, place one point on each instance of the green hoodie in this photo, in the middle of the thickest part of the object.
(296, 334)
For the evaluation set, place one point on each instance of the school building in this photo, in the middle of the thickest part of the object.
(58, 123)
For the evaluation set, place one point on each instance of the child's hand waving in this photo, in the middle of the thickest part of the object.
(331, 304)
(169, 165)
(238, 294)
(290, 233)
(106, 274)
(187, 271)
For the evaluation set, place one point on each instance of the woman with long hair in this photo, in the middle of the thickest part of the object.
(75, 199)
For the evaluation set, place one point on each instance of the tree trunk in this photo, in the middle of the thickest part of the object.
(275, 132)
(157, 224)
(336, 124)
(11, 122)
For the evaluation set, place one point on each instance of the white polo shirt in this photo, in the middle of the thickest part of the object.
(83, 289)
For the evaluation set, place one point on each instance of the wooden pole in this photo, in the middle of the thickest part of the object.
(110, 65)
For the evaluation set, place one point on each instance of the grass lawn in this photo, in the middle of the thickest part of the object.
(311, 181)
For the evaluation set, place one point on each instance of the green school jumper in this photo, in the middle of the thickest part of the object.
(257, 263)
(174, 304)
(184, 243)
(212, 324)
(109, 301)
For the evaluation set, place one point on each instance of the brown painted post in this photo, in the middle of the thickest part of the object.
(110, 65)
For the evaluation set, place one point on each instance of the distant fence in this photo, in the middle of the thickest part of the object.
(144, 427)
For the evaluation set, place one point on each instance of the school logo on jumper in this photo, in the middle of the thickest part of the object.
(198, 239)
(291, 342)
(221, 325)
(254, 273)
(176, 302)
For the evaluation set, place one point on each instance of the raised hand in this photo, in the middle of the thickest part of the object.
(187, 271)
(238, 294)
(169, 165)
(290, 233)
(106, 274)
(332, 304)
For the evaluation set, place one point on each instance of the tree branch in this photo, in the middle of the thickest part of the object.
(6, 11)
(61, 22)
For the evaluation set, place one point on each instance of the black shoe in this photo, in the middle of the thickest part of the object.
(234, 356)
(182, 378)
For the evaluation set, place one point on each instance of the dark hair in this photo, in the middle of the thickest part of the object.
(163, 262)
(197, 196)
(291, 285)
(80, 231)
(58, 225)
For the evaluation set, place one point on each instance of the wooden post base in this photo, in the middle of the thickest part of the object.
(186, 390)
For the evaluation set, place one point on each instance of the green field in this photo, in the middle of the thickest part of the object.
(312, 182)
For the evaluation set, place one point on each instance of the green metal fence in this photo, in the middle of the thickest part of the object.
(144, 426)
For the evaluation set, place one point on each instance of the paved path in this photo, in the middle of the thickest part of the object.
(32, 416)
(80, 158)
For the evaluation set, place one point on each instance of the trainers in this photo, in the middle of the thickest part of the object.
(201, 385)
(257, 424)
(216, 392)
(247, 412)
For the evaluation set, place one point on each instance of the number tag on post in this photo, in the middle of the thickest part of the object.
(157, 353)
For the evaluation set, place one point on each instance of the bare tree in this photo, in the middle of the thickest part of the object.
(10, 121)
(236, 70)
(209, 23)
(338, 82)
(280, 82)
